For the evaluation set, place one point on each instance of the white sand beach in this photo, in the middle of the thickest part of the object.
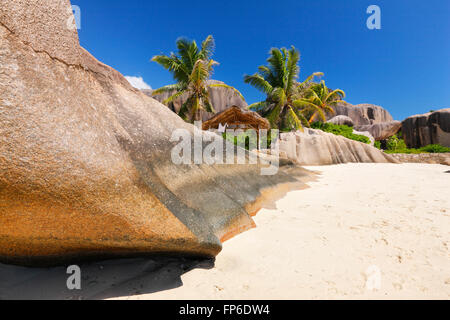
(331, 240)
(362, 231)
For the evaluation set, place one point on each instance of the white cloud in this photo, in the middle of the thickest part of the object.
(138, 82)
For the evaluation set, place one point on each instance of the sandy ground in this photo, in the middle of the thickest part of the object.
(362, 231)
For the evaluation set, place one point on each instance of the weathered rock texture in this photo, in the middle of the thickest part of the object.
(366, 134)
(429, 128)
(382, 131)
(221, 99)
(431, 158)
(368, 117)
(85, 159)
(342, 120)
(362, 114)
(315, 147)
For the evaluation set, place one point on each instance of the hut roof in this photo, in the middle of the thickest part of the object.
(235, 116)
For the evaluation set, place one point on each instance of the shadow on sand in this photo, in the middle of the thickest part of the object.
(100, 280)
(447, 171)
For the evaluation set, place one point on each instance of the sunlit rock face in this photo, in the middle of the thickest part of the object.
(368, 117)
(429, 128)
(85, 159)
(221, 99)
(342, 120)
(383, 130)
(315, 147)
(362, 114)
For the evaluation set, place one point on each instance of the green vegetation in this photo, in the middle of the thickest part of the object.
(431, 148)
(191, 67)
(340, 130)
(243, 140)
(318, 99)
(397, 145)
(287, 99)
(435, 148)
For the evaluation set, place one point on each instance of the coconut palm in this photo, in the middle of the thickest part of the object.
(279, 81)
(318, 100)
(191, 67)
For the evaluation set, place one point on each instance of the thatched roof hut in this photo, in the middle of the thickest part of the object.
(236, 118)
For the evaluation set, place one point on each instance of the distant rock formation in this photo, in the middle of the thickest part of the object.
(368, 117)
(85, 159)
(429, 128)
(315, 147)
(366, 134)
(362, 114)
(221, 99)
(342, 120)
(382, 131)
(430, 158)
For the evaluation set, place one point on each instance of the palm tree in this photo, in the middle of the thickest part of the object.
(278, 80)
(191, 67)
(318, 100)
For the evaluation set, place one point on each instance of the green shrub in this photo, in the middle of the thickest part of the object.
(340, 130)
(435, 148)
(377, 145)
(394, 143)
(243, 139)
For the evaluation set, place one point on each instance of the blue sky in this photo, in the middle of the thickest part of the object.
(404, 67)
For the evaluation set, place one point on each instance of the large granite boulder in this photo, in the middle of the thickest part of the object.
(383, 130)
(342, 120)
(85, 159)
(366, 134)
(315, 147)
(429, 128)
(221, 99)
(368, 117)
(362, 114)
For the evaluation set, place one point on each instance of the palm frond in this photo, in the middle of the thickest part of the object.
(207, 103)
(273, 115)
(259, 83)
(278, 96)
(187, 50)
(338, 93)
(312, 77)
(173, 64)
(222, 85)
(277, 63)
(258, 106)
(208, 46)
(292, 69)
(185, 107)
(297, 122)
(169, 88)
(266, 73)
(174, 97)
(199, 72)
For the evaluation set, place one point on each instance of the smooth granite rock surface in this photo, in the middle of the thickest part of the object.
(221, 99)
(429, 128)
(315, 147)
(85, 159)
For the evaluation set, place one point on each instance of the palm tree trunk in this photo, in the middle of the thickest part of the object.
(283, 118)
